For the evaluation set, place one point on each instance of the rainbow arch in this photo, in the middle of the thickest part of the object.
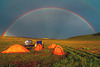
(4, 34)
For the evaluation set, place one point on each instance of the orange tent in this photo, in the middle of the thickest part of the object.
(15, 49)
(58, 50)
(38, 47)
(52, 46)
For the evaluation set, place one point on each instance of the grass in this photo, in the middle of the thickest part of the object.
(80, 52)
(92, 37)
(78, 59)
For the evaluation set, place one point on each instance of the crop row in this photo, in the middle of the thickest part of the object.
(77, 58)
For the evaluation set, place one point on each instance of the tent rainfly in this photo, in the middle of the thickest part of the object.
(16, 49)
(38, 47)
(58, 50)
(52, 46)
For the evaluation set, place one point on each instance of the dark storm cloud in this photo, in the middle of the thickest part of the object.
(10, 10)
(49, 24)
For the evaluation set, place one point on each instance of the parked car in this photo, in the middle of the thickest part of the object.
(28, 42)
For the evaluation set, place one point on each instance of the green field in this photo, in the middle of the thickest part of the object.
(81, 51)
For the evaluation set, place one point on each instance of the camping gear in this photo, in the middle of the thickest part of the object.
(40, 42)
(52, 46)
(58, 50)
(28, 42)
(38, 47)
(16, 49)
(35, 45)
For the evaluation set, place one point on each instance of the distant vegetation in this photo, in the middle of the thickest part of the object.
(94, 37)
(97, 34)
(81, 51)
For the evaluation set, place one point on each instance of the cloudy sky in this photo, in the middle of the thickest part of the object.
(49, 23)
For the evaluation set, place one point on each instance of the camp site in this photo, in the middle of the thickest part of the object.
(77, 52)
(49, 33)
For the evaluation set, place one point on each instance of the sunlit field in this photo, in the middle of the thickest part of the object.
(83, 51)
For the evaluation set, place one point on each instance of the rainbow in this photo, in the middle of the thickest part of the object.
(4, 34)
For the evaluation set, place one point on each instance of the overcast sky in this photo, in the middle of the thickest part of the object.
(49, 23)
